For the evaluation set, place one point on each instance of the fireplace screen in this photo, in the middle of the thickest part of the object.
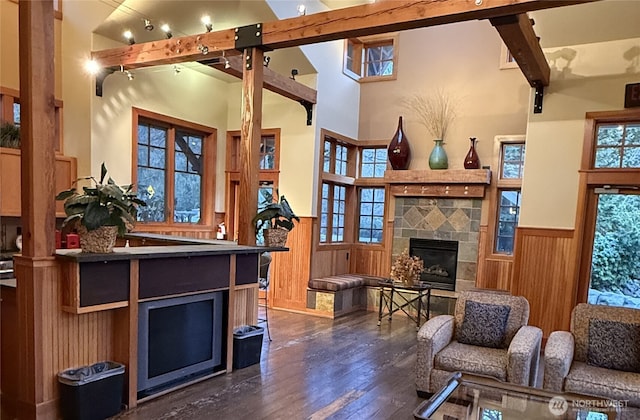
(440, 261)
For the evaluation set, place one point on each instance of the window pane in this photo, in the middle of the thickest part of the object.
(143, 134)
(143, 156)
(151, 184)
(632, 137)
(367, 170)
(368, 156)
(508, 215)
(512, 161)
(158, 137)
(371, 210)
(157, 158)
(327, 157)
(267, 152)
(610, 135)
(16, 113)
(181, 162)
(608, 157)
(631, 157)
(187, 198)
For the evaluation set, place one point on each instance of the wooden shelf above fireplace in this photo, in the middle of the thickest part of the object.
(438, 183)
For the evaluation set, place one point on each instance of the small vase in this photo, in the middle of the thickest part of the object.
(438, 157)
(399, 152)
(472, 161)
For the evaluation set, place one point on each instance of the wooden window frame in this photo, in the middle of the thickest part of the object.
(507, 60)
(359, 45)
(591, 178)
(9, 96)
(232, 174)
(207, 189)
(57, 8)
(499, 185)
(373, 146)
(359, 215)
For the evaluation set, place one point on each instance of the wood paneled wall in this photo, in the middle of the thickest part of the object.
(63, 341)
(494, 271)
(246, 305)
(371, 260)
(543, 273)
(290, 270)
(188, 231)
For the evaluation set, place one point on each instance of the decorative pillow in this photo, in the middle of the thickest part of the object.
(614, 345)
(484, 324)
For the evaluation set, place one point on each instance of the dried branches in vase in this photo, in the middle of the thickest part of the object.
(406, 269)
(435, 110)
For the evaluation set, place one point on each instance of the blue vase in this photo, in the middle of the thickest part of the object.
(438, 157)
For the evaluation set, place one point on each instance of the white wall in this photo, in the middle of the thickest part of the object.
(594, 80)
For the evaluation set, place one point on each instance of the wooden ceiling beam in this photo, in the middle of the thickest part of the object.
(519, 37)
(367, 19)
(275, 82)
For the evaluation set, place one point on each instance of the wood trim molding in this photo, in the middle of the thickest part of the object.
(447, 176)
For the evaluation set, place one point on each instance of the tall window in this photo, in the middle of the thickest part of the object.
(509, 184)
(617, 146)
(371, 58)
(371, 215)
(352, 192)
(170, 172)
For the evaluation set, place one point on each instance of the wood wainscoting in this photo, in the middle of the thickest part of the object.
(371, 259)
(290, 270)
(543, 272)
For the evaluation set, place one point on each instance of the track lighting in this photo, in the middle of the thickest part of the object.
(176, 69)
(294, 73)
(203, 49)
(206, 21)
(129, 37)
(148, 25)
(302, 10)
(167, 30)
(266, 60)
(129, 75)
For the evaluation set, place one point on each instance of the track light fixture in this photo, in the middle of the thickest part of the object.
(129, 37)
(129, 75)
(203, 49)
(302, 10)
(206, 21)
(176, 69)
(148, 25)
(266, 60)
(294, 73)
(167, 30)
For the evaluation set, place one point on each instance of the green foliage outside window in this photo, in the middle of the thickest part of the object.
(616, 259)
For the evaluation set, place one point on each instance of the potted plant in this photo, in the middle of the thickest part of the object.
(101, 212)
(275, 219)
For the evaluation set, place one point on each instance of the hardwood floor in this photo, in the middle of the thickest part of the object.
(314, 368)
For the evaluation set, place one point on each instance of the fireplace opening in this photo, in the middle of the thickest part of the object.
(440, 260)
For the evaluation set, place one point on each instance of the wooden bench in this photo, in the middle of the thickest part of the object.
(341, 294)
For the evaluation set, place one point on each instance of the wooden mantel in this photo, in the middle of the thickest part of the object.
(458, 183)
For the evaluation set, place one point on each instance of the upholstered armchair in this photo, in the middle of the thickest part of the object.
(600, 356)
(487, 335)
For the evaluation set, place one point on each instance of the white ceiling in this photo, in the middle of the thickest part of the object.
(570, 25)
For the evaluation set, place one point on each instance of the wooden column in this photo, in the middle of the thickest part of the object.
(251, 132)
(36, 270)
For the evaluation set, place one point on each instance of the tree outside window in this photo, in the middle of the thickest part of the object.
(509, 185)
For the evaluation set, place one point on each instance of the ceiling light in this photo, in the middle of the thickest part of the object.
(294, 73)
(266, 60)
(203, 49)
(167, 30)
(129, 37)
(92, 67)
(148, 25)
(302, 10)
(176, 70)
(226, 64)
(206, 21)
(129, 75)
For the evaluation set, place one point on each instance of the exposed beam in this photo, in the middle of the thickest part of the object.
(367, 19)
(275, 82)
(518, 35)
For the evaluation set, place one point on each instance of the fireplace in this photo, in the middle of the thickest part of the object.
(440, 259)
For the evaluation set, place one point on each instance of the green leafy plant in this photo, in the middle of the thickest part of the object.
(10, 135)
(102, 204)
(275, 215)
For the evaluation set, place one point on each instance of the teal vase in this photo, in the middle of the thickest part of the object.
(438, 157)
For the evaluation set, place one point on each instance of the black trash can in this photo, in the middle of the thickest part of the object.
(91, 392)
(247, 345)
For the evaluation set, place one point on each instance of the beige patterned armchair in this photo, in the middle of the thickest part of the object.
(600, 356)
(488, 335)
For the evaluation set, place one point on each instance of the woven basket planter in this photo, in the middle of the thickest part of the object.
(98, 241)
(275, 237)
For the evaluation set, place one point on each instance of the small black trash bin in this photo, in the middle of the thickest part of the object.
(91, 392)
(247, 345)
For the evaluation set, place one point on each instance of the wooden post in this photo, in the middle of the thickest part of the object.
(35, 269)
(251, 133)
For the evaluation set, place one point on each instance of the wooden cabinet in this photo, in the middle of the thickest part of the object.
(66, 172)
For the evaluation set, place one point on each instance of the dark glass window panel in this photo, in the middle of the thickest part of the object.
(509, 213)
(151, 184)
(143, 156)
(187, 198)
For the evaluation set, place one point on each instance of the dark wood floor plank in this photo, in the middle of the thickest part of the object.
(314, 368)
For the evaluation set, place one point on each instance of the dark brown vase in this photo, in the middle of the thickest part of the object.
(472, 161)
(399, 151)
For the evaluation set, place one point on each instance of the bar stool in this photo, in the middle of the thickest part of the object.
(263, 286)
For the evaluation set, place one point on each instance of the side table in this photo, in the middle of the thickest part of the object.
(407, 296)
